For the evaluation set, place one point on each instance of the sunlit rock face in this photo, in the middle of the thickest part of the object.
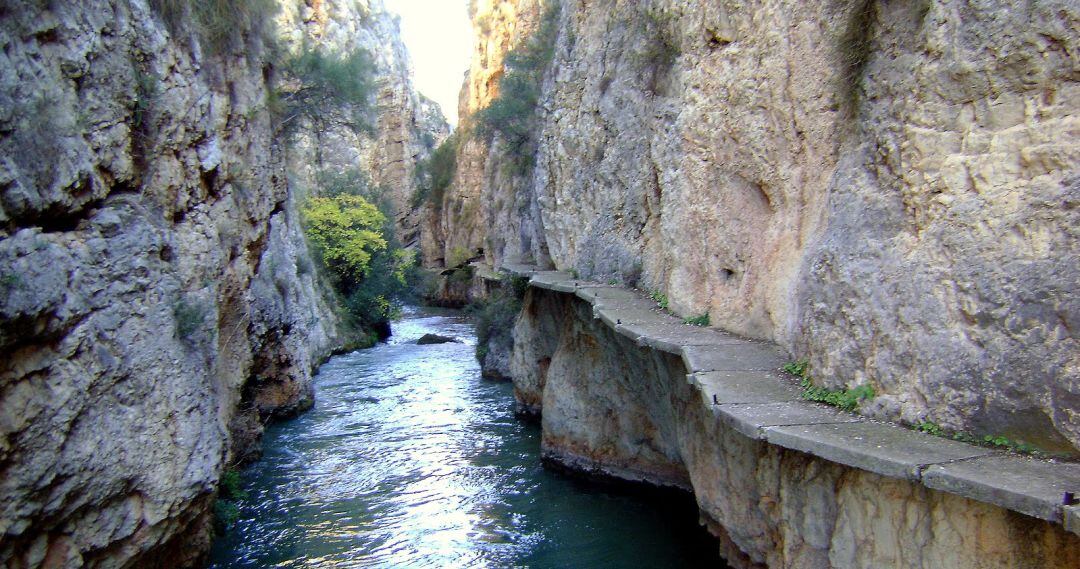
(483, 191)
(614, 407)
(885, 189)
(404, 125)
(158, 303)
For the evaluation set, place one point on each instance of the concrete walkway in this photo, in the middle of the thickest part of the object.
(749, 392)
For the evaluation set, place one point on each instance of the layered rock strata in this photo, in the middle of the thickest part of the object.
(628, 391)
(886, 189)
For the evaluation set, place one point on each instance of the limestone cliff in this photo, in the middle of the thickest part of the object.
(405, 126)
(459, 225)
(157, 300)
(887, 189)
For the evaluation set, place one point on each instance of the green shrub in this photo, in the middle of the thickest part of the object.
(702, 320)
(512, 114)
(798, 369)
(459, 256)
(190, 317)
(462, 275)
(221, 25)
(346, 231)
(354, 242)
(930, 428)
(226, 511)
(659, 298)
(846, 399)
(230, 486)
(436, 173)
(226, 514)
(494, 318)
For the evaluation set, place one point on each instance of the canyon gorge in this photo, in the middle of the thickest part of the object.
(684, 218)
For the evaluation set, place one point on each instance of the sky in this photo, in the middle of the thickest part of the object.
(439, 38)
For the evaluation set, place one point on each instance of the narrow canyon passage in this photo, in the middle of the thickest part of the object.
(410, 459)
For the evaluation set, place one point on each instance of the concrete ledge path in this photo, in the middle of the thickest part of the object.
(742, 380)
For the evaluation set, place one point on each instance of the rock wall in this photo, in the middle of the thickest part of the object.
(482, 187)
(405, 126)
(157, 301)
(620, 408)
(887, 189)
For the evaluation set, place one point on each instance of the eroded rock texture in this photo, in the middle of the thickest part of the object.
(611, 406)
(157, 300)
(887, 189)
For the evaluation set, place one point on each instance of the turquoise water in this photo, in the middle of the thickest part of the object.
(410, 459)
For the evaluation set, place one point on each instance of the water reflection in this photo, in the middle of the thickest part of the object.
(409, 459)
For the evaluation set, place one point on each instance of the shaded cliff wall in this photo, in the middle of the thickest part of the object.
(887, 189)
(616, 407)
(461, 223)
(157, 300)
(404, 125)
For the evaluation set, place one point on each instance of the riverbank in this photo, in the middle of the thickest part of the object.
(410, 458)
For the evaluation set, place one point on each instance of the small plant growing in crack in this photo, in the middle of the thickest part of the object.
(226, 510)
(702, 320)
(846, 399)
(659, 298)
(992, 441)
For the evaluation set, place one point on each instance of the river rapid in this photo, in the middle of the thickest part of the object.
(411, 459)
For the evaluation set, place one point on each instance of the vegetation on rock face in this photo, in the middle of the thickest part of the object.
(660, 50)
(512, 114)
(850, 399)
(189, 317)
(353, 241)
(221, 25)
(993, 441)
(324, 89)
(226, 511)
(701, 320)
(659, 298)
(435, 174)
(846, 399)
(494, 316)
(459, 256)
(348, 225)
(345, 229)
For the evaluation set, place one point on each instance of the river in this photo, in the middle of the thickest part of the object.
(410, 459)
